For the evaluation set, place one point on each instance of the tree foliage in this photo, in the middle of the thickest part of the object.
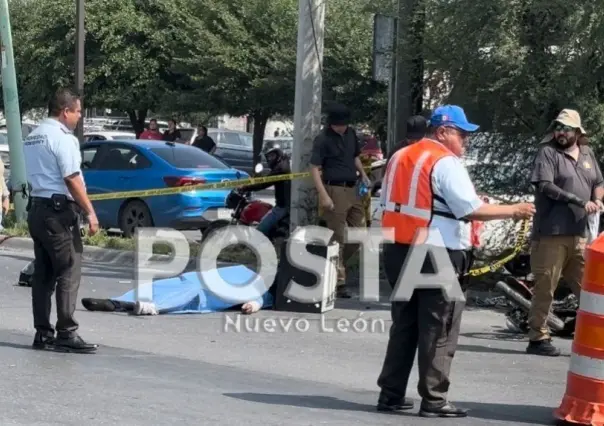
(245, 60)
(513, 66)
(184, 56)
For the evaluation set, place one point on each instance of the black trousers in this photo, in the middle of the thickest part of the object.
(428, 324)
(58, 264)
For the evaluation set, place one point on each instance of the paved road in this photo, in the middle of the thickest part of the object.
(188, 370)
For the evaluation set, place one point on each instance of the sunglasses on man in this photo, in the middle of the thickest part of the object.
(563, 128)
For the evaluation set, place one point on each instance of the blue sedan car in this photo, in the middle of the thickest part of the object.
(130, 165)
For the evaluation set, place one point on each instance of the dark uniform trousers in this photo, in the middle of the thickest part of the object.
(428, 324)
(58, 255)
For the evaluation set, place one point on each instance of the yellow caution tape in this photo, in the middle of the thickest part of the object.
(202, 187)
(494, 266)
(189, 188)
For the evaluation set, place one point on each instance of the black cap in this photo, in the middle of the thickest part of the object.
(338, 115)
(416, 127)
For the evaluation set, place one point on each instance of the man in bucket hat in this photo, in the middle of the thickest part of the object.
(569, 187)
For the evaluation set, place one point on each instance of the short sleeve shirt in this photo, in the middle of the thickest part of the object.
(52, 153)
(336, 154)
(452, 183)
(579, 177)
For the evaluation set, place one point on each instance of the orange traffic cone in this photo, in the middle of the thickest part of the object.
(583, 402)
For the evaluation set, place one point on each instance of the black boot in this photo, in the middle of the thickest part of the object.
(386, 404)
(43, 341)
(342, 292)
(24, 280)
(449, 410)
(74, 344)
(543, 348)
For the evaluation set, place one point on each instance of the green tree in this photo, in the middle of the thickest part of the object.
(513, 66)
(130, 48)
(245, 60)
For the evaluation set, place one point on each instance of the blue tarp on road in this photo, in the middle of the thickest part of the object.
(186, 294)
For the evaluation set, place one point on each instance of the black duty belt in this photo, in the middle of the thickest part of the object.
(43, 201)
(346, 183)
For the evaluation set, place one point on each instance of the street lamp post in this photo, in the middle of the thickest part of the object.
(12, 114)
(79, 63)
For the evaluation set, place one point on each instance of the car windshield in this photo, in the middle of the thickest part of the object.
(188, 157)
(246, 140)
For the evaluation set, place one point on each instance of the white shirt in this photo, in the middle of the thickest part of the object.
(51, 153)
(451, 181)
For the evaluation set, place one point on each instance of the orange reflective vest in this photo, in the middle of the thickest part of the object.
(407, 191)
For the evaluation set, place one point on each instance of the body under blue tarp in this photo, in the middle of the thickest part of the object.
(187, 294)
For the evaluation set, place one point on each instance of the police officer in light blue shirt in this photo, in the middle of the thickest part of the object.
(58, 197)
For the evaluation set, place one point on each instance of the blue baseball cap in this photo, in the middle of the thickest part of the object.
(452, 115)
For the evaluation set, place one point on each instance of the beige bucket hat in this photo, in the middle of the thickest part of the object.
(568, 117)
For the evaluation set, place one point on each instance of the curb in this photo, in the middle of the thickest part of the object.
(90, 254)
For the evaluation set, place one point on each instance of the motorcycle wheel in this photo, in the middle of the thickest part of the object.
(553, 321)
(212, 227)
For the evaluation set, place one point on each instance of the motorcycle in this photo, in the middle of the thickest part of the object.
(248, 213)
(517, 287)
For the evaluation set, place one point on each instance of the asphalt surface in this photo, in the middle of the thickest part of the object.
(169, 370)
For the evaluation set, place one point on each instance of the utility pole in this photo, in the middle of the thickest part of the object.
(407, 55)
(384, 67)
(12, 115)
(307, 109)
(79, 63)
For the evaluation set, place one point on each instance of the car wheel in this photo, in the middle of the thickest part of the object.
(135, 214)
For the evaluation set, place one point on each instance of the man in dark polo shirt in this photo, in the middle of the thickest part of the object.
(334, 165)
(569, 187)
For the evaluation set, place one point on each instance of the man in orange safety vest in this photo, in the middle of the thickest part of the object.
(427, 186)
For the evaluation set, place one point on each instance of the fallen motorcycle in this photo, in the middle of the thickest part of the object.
(248, 213)
(517, 287)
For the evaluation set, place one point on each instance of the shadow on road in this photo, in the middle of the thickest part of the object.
(302, 401)
(16, 345)
(519, 414)
(497, 335)
(486, 349)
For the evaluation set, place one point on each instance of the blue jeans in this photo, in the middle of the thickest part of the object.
(270, 220)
